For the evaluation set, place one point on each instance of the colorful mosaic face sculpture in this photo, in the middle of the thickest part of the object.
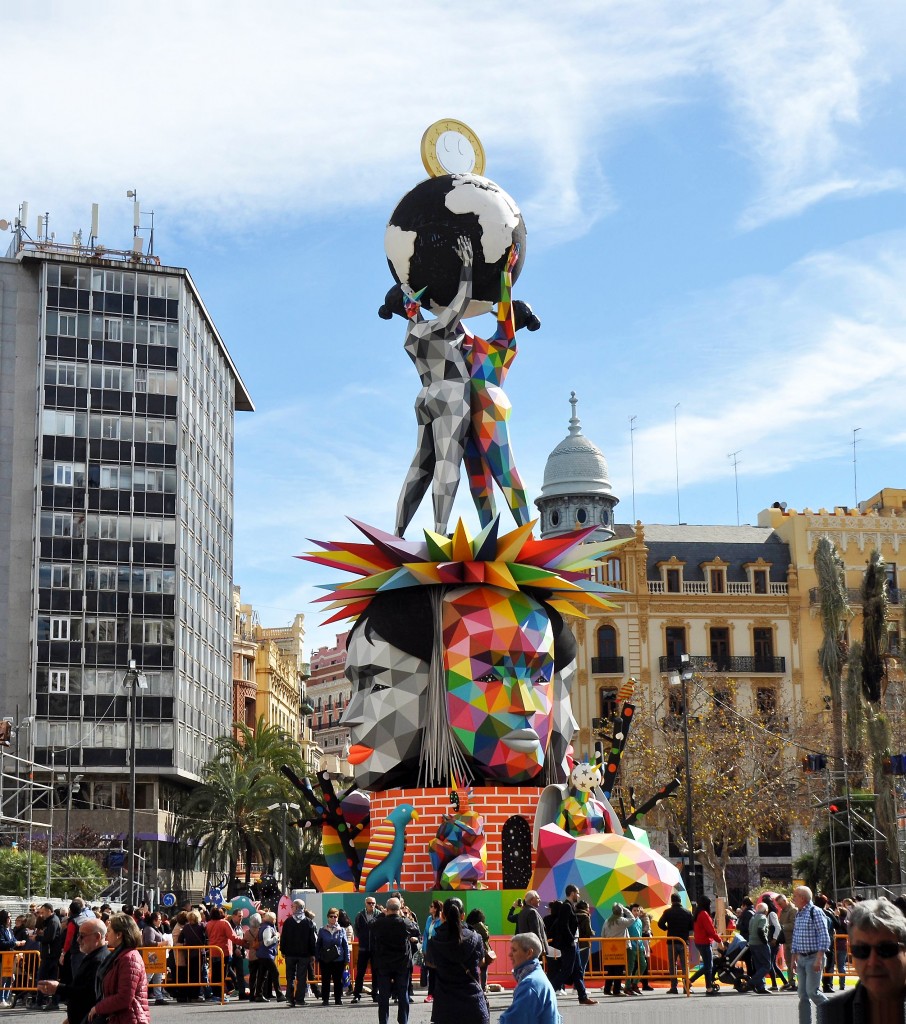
(489, 685)
(499, 663)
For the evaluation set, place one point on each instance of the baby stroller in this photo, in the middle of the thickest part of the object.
(731, 966)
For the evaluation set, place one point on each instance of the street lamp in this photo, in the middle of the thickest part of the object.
(284, 889)
(133, 679)
(683, 676)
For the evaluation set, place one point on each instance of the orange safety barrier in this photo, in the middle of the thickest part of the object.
(19, 970)
(185, 970)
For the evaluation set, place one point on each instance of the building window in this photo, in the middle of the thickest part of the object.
(718, 580)
(614, 570)
(766, 702)
(157, 334)
(112, 378)
(581, 516)
(113, 330)
(59, 680)
(675, 642)
(555, 518)
(890, 570)
(141, 379)
(67, 328)
(719, 637)
(673, 581)
(110, 428)
(607, 642)
(62, 524)
(763, 646)
(59, 628)
(759, 581)
(62, 474)
(609, 707)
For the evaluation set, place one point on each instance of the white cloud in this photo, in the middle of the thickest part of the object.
(227, 114)
(783, 368)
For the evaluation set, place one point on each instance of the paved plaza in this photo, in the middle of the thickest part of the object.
(652, 1008)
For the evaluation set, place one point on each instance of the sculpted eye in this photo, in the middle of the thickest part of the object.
(488, 677)
(377, 687)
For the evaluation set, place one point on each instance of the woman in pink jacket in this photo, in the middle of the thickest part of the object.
(121, 978)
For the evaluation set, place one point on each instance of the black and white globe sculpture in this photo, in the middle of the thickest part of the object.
(421, 237)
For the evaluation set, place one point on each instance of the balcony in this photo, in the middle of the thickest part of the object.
(742, 665)
(854, 595)
(607, 666)
(733, 589)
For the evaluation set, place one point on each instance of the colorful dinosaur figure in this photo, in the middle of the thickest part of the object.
(384, 860)
(458, 851)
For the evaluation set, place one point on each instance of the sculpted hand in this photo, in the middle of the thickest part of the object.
(464, 250)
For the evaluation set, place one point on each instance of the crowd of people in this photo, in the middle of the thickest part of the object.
(90, 959)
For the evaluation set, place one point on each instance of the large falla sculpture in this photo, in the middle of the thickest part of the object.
(460, 656)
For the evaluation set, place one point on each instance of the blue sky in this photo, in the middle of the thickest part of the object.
(715, 196)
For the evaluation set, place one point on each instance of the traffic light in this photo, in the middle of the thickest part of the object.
(6, 732)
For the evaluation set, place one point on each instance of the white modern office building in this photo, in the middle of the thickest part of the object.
(117, 404)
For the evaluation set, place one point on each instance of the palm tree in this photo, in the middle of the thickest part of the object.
(229, 815)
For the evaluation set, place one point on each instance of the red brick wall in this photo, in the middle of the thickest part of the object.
(494, 803)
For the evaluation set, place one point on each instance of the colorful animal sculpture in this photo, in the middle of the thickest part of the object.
(384, 858)
(458, 852)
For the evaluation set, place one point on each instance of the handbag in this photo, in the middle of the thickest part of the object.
(418, 956)
(330, 954)
(489, 956)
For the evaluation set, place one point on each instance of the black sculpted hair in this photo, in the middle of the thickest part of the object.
(403, 618)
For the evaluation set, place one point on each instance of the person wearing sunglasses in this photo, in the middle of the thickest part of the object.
(79, 995)
(877, 944)
(811, 940)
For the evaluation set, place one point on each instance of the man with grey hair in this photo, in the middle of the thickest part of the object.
(530, 920)
(79, 994)
(810, 941)
(877, 943)
(393, 938)
(534, 1000)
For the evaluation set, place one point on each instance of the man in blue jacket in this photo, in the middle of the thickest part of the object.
(534, 1000)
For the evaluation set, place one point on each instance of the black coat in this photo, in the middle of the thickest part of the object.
(79, 995)
(298, 938)
(676, 922)
(458, 998)
(391, 945)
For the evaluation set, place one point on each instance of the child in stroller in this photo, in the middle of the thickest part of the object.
(731, 965)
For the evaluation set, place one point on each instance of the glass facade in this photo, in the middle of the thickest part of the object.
(135, 520)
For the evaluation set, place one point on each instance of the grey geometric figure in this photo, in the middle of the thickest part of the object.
(442, 406)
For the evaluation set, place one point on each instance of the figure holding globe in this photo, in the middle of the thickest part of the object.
(442, 406)
(423, 242)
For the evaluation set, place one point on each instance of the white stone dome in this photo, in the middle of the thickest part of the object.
(576, 466)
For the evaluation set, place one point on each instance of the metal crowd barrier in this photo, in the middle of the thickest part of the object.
(187, 968)
(19, 970)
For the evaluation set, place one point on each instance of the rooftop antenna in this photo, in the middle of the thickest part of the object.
(855, 479)
(632, 420)
(95, 218)
(732, 456)
(137, 221)
(676, 460)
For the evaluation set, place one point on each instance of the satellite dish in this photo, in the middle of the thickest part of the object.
(4, 225)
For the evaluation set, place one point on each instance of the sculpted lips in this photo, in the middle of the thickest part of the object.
(522, 739)
(358, 753)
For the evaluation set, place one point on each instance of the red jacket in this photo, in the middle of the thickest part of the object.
(703, 930)
(125, 987)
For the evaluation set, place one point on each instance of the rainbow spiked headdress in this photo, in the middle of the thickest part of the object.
(514, 561)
